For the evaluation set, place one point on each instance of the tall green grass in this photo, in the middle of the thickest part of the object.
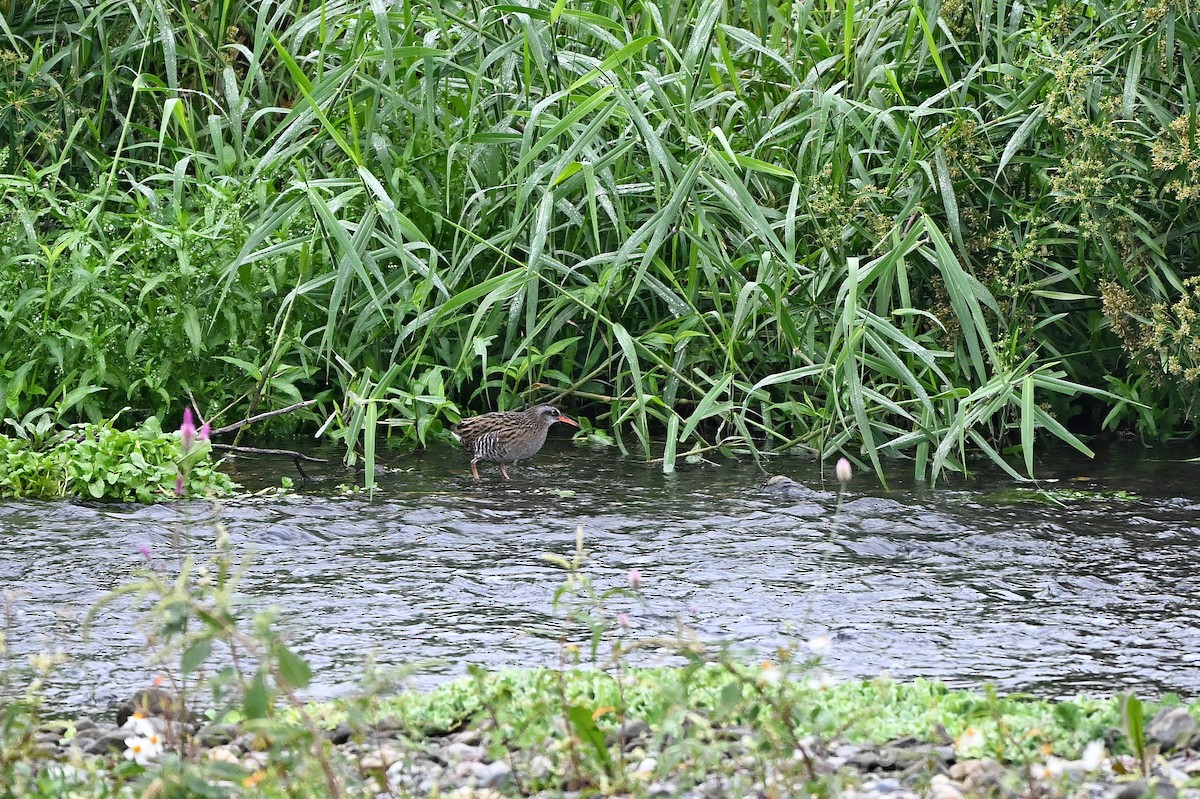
(878, 228)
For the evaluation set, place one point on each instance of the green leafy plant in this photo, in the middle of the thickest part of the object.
(102, 462)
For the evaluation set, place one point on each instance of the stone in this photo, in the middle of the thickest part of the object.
(339, 734)
(661, 790)
(497, 773)
(372, 761)
(1137, 789)
(255, 761)
(222, 754)
(1130, 790)
(1171, 728)
(84, 724)
(977, 776)
(884, 786)
(469, 770)
(217, 734)
(463, 751)
(45, 750)
(469, 737)
(632, 733)
(540, 767)
(784, 486)
(110, 741)
(82, 743)
(942, 787)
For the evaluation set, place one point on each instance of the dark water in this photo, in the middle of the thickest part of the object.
(961, 583)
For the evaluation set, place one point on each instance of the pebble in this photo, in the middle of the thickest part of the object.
(495, 774)
(1170, 727)
(463, 751)
(942, 787)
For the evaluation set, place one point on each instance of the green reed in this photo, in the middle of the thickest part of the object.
(878, 228)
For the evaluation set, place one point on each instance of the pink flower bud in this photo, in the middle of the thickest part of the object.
(205, 431)
(187, 430)
(635, 579)
(623, 619)
(179, 485)
(844, 472)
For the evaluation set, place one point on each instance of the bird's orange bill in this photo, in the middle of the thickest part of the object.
(568, 420)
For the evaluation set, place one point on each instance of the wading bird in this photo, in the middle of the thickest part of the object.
(507, 436)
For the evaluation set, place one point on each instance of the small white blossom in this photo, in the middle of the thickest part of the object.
(142, 727)
(969, 742)
(142, 750)
(1093, 756)
(820, 644)
(770, 674)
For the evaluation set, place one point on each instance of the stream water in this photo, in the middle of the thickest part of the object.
(971, 582)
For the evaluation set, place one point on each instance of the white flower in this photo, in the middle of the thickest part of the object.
(142, 727)
(1093, 756)
(769, 674)
(142, 750)
(969, 742)
(820, 644)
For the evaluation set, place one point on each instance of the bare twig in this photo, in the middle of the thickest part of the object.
(290, 453)
(229, 428)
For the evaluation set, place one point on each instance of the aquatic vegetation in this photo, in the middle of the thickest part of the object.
(99, 461)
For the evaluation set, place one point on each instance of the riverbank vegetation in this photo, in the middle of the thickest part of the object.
(929, 230)
(668, 732)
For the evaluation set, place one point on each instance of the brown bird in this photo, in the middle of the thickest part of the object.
(507, 436)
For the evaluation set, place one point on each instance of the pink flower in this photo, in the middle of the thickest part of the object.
(635, 579)
(187, 430)
(144, 549)
(843, 470)
(179, 485)
(623, 619)
(205, 430)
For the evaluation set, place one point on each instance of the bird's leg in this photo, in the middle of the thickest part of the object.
(504, 472)
(475, 468)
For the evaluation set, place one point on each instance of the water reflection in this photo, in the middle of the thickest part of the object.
(949, 583)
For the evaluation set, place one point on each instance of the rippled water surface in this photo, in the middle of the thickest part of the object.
(971, 583)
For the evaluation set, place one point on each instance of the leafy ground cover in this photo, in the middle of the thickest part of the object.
(933, 230)
(100, 461)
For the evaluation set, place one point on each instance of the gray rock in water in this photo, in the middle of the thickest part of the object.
(784, 486)
(1171, 728)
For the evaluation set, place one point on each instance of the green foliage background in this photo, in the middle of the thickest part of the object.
(920, 228)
